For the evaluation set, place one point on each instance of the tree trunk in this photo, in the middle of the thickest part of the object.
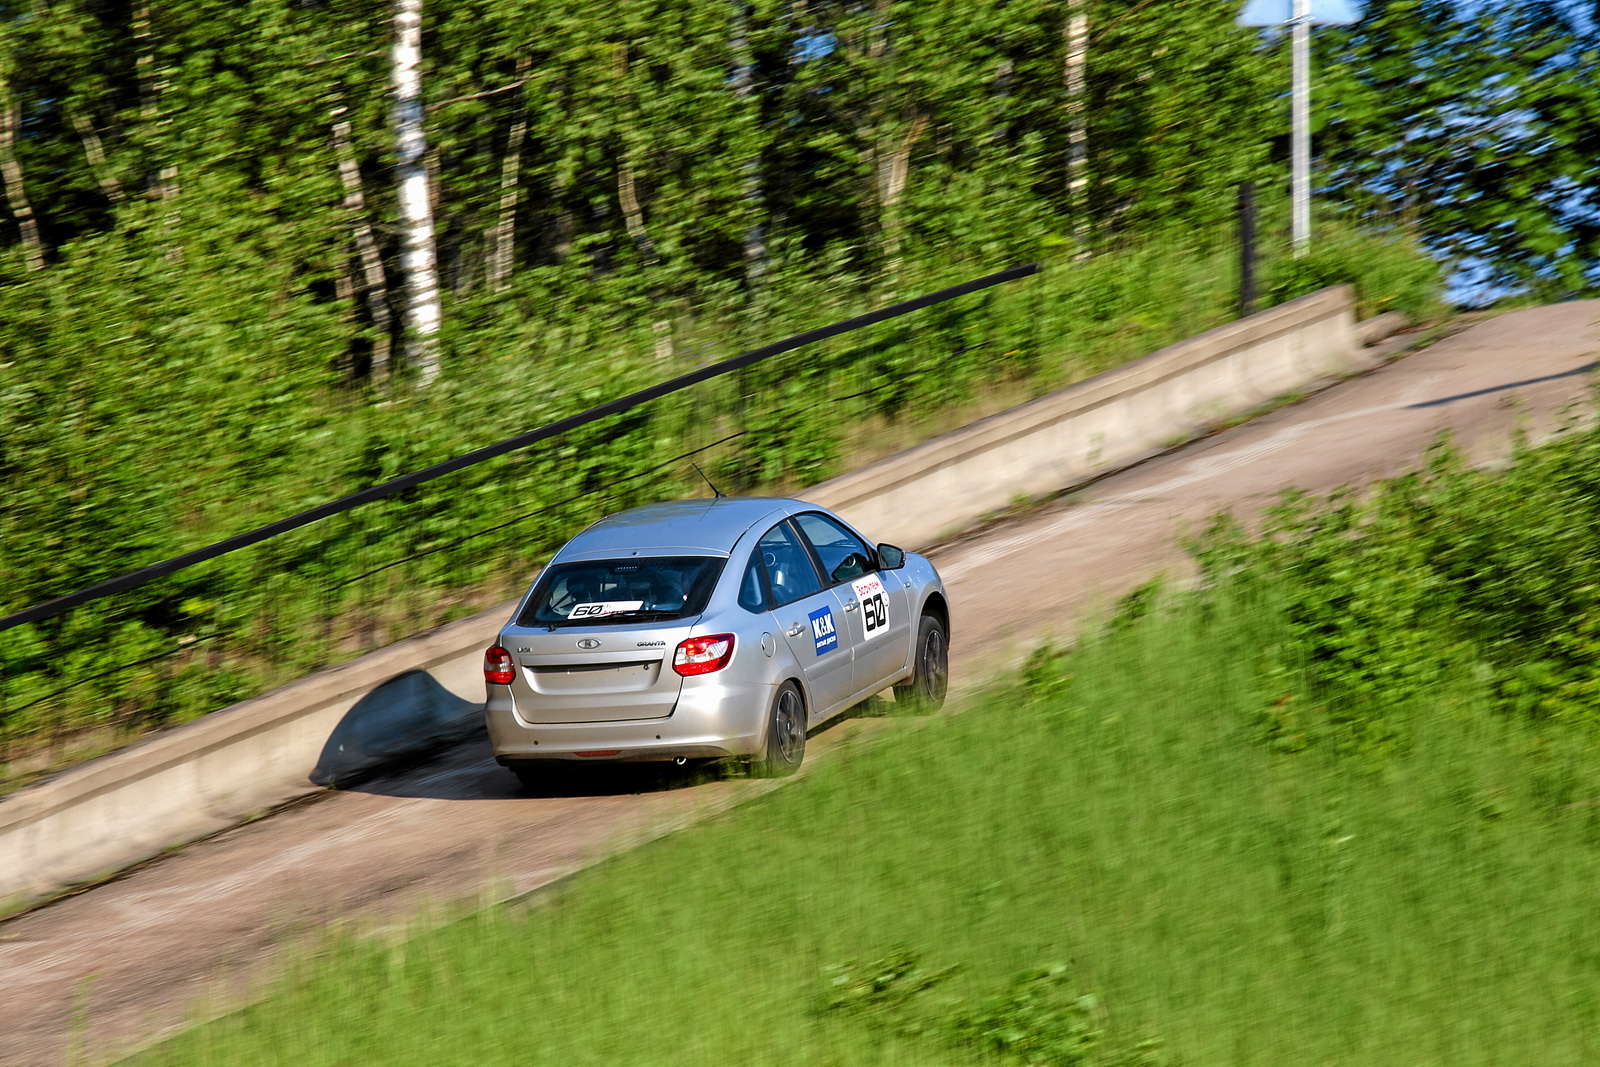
(144, 62)
(374, 287)
(94, 150)
(1077, 123)
(151, 84)
(502, 248)
(420, 319)
(11, 175)
(896, 127)
(1003, 76)
(755, 240)
(894, 167)
(633, 220)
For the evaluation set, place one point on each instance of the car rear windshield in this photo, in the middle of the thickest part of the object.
(636, 589)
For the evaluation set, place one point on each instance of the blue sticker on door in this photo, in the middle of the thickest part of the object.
(822, 631)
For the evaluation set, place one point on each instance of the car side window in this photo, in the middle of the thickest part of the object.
(753, 586)
(790, 574)
(844, 555)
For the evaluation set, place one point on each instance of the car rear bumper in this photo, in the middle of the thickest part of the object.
(713, 718)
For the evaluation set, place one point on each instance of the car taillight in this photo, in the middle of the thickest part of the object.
(497, 667)
(702, 655)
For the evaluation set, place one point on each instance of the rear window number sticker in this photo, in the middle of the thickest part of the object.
(823, 630)
(874, 603)
(595, 609)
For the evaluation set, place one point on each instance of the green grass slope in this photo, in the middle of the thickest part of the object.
(1116, 864)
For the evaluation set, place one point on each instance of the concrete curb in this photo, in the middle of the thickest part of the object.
(406, 699)
(1379, 327)
(1103, 424)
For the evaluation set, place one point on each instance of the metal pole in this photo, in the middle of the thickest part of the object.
(1300, 108)
(1247, 249)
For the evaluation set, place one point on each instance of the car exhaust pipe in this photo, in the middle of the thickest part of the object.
(679, 761)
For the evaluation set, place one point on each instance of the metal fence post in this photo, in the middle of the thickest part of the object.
(1247, 249)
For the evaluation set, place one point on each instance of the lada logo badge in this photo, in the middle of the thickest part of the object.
(588, 642)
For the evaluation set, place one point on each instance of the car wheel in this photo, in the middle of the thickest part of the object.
(532, 778)
(930, 675)
(786, 734)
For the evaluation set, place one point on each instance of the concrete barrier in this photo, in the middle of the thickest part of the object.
(216, 772)
(1099, 425)
(403, 700)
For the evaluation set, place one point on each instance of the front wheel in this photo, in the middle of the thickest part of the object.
(786, 734)
(930, 674)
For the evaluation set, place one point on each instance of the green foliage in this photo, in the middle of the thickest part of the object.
(1472, 125)
(1037, 1020)
(158, 439)
(620, 196)
(1446, 572)
(1388, 271)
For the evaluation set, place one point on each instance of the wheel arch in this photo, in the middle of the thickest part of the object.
(939, 608)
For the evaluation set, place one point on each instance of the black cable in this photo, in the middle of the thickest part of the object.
(531, 514)
(609, 485)
(510, 444)
(7, 713)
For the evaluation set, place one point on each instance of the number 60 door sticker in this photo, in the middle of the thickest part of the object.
(874, 604)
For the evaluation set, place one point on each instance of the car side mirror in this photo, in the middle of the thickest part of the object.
(891, 557)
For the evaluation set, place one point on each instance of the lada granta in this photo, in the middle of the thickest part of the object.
(710, 629)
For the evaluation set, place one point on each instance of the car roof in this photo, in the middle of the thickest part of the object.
(694, 526)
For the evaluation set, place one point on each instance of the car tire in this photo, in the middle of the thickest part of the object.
(786, 734)
(930, 668)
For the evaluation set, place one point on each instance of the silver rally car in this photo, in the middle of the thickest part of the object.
(710, 629)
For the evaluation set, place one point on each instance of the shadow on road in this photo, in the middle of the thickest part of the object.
(466, 770)
(1443, 400)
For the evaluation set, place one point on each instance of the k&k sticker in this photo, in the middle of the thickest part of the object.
(874, 604)
(596, 608)
(823, 631)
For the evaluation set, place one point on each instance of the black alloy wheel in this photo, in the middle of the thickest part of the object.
(786, 734)
(930, 679)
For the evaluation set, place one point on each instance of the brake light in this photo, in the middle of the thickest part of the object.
(702, 655)
(497, 667)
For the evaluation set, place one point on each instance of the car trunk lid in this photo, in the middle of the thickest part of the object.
(592, 673)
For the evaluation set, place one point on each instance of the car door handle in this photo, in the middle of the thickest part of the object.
(851, 605)
(795, 631)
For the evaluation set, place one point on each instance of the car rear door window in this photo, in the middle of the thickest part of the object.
(753, 586)
(790, 574)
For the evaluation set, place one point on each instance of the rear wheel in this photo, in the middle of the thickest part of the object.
(786, 734)
(930, 677)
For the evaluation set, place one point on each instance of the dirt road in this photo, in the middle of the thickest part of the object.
(131, 959)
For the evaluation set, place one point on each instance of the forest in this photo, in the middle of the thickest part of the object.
(254, 256)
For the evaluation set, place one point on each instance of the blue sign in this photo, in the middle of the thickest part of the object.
(1279, 12)
(822, 631)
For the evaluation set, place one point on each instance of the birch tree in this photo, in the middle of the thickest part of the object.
(373, 286)
(1077, 62)
(418, 264)
(503, 240)
(11, 168)
(744, 90)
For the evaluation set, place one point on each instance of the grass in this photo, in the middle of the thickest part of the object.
(1114, 815)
